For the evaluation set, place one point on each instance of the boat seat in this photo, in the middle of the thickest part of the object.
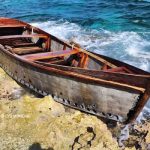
(25, 44)
(27, 50)
(48, 55)
(23, 48)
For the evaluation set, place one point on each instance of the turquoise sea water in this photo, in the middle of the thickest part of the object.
(116, 28)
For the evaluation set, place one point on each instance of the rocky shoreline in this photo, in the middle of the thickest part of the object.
(28, 123)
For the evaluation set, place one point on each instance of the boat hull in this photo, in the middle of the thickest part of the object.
(86, 81)
(95, 98)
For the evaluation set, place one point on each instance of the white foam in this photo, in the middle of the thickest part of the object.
(63, 30)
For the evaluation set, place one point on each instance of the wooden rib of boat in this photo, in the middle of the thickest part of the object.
(90, 82)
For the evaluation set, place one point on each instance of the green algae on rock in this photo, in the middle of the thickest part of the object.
(29, 120)
(32, 120)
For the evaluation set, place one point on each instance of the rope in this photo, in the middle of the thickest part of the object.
(73, 46)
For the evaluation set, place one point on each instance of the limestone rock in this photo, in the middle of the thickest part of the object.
(29, 122)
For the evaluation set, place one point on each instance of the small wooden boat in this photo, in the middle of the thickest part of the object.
(90, 82)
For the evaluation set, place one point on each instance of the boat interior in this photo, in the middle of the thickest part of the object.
(33, 44)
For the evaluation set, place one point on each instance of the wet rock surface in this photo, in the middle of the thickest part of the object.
(31, 123)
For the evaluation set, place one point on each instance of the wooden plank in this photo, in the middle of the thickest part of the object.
(85, 61)
(104, 67)
(48, 43)
(127, 70)
(119, 69)
(77, 47)
(81, 60)
(23, 36)
(64, 48)
(47, 55)
(61, 61)
(25, 50)
(12, 25)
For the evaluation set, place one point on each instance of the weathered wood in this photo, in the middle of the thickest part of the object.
(100, 92)
(81, 60)
(101, 79)
(12, 26)
(27, 50)
(97, 58)
(8, 21)
(135, 81)
(140, 104)
(48, 55)
(104, 67)
(23, 36)
(64, 48)
(23, 44)
(118, 63)
(61, 61)
(119, 69)
(48, 44)
(85, 61)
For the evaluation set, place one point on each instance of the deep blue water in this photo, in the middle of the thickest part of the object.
(116, 28)
(114, 15)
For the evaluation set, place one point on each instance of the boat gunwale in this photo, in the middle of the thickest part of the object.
(96, 71)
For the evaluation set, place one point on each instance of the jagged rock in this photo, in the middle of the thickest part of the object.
(9, 89)
(31, 122)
